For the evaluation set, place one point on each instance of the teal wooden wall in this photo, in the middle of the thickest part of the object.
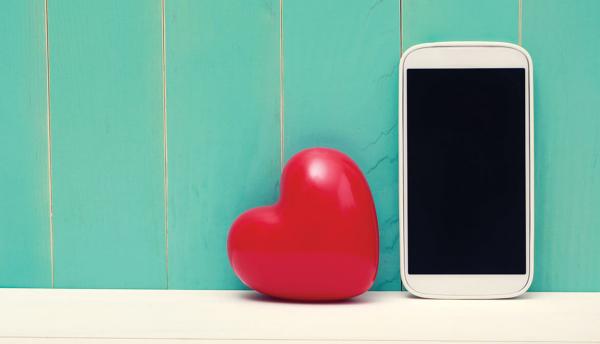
(134, 132)
(25, 233)
(107, 143)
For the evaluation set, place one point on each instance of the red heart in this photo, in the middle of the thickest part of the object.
(319, 241)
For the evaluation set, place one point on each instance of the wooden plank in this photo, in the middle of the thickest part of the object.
(341, 85)
(223, 129)
(459, 20)
(563, 38)
(24, 196)
(245, 315)
(107, 143)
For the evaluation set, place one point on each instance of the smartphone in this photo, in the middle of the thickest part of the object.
(466, 171)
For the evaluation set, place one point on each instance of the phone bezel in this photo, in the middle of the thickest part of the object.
(467, 55)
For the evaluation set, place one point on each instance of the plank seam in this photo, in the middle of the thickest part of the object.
(520, 23)
(49, 144)
(165, 142)
(281, 89)
(401, 30)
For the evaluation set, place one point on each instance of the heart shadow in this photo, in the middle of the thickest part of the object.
(258, 297)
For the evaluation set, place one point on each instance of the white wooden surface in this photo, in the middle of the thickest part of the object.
(125, 316)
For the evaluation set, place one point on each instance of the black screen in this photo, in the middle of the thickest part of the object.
(466, 173)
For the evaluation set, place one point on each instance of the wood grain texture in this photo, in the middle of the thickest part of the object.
(223, 129)
(107, 143)
(24, 195)
(340, 91)
(459, 20)
(341, 84)
(563, 38)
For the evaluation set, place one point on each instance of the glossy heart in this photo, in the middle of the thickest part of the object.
(319, 241)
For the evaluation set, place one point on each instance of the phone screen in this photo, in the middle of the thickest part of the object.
(466, 171)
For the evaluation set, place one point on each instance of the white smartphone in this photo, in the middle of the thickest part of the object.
(466, 171)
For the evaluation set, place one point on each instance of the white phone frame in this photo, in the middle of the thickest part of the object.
(467, 55)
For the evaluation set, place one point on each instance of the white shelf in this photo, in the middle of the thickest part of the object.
(126, 316)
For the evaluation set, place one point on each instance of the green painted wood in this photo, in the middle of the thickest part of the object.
(563, 38)
(459, 20)
(107, 143)
(341, 85)
(223, 129)
(24, 195)
(223, 117)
